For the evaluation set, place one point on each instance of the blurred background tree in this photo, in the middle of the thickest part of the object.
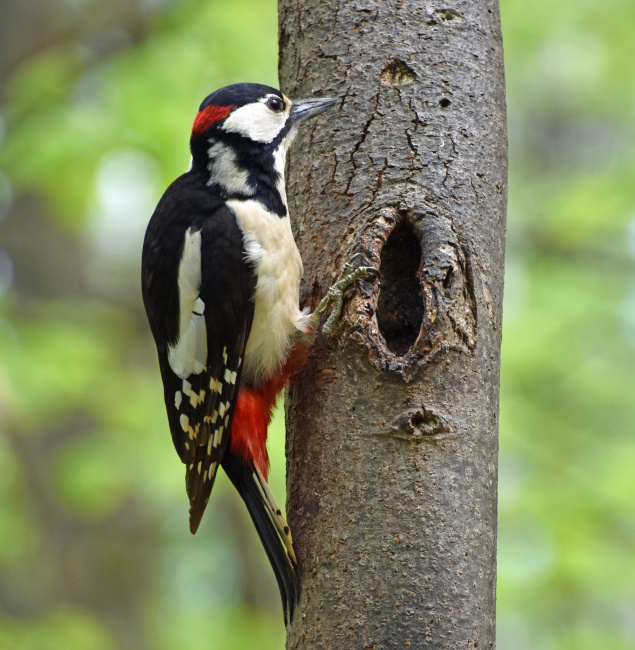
(96, 102)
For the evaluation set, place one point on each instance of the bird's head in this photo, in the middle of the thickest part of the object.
(241, 134)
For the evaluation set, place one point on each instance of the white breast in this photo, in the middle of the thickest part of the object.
(277, 317)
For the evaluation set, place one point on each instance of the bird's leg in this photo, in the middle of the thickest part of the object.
(335, 295)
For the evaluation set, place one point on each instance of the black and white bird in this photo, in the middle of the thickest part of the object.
(220, 278)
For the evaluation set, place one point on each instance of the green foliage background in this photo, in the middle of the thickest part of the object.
(96, 103)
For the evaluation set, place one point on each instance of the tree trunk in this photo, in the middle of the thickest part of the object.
(392, 424)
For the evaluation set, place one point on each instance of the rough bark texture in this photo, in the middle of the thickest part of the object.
(392, 428)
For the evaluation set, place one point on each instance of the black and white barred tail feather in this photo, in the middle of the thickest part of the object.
(271, 526)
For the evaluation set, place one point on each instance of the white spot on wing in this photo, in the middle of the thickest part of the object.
(178, 398)
(230, 377)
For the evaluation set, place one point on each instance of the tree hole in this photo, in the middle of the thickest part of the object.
(400, 302)
(397, 73)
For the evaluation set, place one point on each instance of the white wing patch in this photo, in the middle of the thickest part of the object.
(189, 354)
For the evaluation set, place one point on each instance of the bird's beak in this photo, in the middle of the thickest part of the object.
(301, 109)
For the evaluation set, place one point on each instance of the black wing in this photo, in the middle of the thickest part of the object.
(198, 291)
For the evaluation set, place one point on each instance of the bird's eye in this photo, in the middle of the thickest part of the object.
(275, 104)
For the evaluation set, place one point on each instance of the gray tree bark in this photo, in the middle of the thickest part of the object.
(392, 426)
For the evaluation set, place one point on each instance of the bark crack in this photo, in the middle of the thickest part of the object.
(360, 142)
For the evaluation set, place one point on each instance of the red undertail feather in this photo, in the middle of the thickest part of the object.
(253, 412)
(209, 115)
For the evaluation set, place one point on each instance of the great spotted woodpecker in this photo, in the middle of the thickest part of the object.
(220, 280)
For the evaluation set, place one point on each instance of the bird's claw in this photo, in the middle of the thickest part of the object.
(335, 295)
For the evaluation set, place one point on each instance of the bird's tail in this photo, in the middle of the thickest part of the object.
(272, 528)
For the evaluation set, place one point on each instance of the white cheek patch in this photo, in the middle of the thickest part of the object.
(189, 354)
(256, 122)
(224, 170)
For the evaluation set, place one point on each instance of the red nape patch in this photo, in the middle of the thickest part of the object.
(210, 114)
(253, 412)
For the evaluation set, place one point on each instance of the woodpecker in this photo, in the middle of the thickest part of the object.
(220, 281)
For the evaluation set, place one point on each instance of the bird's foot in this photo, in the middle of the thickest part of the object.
(335, 295)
